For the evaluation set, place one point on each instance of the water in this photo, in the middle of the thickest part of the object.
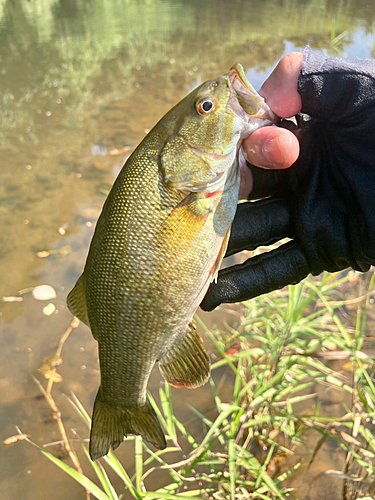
(81, 83)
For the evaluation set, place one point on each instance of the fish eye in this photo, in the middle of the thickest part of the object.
(205, 106)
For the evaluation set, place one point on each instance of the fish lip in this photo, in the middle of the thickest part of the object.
(244, 99)
(240, 84)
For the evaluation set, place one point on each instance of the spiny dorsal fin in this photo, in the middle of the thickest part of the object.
(187, 364)
(77, 301)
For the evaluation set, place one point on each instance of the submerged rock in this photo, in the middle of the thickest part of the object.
(44, 292)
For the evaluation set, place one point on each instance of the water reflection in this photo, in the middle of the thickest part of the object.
(81, 83)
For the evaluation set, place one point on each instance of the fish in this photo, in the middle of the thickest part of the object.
(157, 246)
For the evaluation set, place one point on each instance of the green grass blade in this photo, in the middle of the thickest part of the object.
(166, 402)
(78, 407)
(158, 413)
(215, 341)
(116, 466)
(272, 486)
(80, 478)
(102, 476)
(263, 469)
(237, 384)
(138, 463)
(166, 496)
(232, 468)
(156, 456)
(215, 426)
(185, 433)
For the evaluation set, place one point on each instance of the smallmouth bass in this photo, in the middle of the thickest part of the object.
(157, 246)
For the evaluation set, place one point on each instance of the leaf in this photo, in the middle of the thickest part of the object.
(51, 373)
(14, 439)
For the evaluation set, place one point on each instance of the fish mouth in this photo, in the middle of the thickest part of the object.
(245, 100)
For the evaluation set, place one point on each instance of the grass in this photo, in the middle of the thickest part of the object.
(279, 358)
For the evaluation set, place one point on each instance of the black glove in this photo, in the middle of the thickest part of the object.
(325, 202)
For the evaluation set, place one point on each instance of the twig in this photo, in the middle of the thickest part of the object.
(55, 410)
(347, 301)
(197, 452)
(57, 414)
(75, 322)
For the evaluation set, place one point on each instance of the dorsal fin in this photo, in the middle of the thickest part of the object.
(77, 301)
(186, 364)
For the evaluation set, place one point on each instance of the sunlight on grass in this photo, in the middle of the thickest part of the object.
(279, 350)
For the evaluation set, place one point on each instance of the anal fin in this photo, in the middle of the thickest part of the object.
(187, 364)
(77, 301)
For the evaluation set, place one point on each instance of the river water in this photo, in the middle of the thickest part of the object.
(81, 83)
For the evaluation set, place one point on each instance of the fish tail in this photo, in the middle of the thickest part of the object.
(111, 424)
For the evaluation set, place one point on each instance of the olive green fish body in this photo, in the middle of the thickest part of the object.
(157, 246)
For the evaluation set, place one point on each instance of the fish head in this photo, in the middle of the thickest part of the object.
(210, 124)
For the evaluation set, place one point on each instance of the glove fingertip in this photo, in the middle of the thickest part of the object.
(209, 303)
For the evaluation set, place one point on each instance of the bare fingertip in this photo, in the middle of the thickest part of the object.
(272, 148)
(283, 150)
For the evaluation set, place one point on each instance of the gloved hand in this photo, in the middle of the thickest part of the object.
(325, 202)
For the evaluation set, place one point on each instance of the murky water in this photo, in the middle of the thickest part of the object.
(81, 83)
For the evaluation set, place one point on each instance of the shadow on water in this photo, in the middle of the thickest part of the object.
(81, 83)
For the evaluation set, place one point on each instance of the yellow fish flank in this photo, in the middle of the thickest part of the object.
(158, 244)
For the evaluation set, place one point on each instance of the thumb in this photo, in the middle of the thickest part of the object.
(271, 147)
(280, 90)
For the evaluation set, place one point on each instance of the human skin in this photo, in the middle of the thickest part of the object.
(275, 147)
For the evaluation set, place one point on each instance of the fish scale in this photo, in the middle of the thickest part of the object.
(158, 244)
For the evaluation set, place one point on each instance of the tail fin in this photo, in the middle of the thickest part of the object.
(110, 425)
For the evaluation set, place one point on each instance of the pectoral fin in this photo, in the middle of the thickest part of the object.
(186, 365)
(186, 221)
(77, 301)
